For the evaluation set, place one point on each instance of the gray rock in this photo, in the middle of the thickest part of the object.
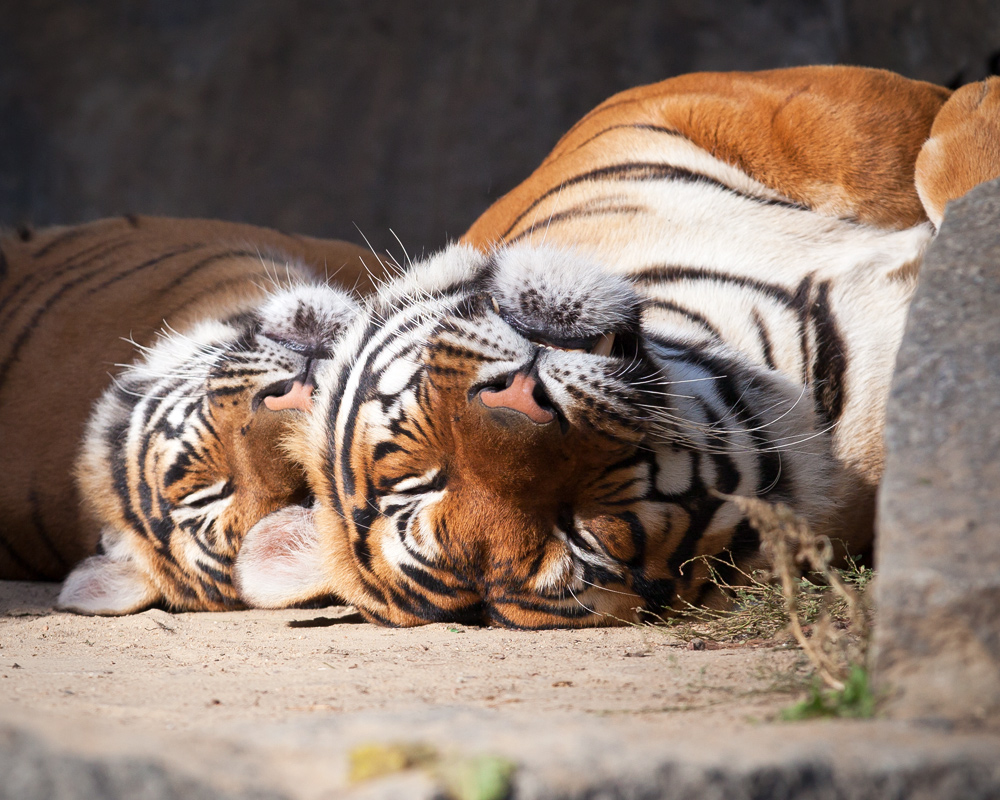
(31, 768)
(938, 552)
(561, 757)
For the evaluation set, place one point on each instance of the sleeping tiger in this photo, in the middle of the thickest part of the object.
(182, 454)
(699, 293)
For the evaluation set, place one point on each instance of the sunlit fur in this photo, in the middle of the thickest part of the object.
(750, 240)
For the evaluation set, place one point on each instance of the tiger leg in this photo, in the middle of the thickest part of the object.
(105, 586)
(964, 148)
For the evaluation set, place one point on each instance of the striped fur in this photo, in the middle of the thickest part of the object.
(183, 454)
(75, 301)
(699, 293)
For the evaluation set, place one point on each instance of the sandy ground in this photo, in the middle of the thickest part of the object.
(198, 670)
(277, 705)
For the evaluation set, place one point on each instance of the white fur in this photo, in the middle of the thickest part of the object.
(281, 560)
(102, 585)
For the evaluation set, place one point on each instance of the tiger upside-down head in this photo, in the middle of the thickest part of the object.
(183, 454)
(499, 442)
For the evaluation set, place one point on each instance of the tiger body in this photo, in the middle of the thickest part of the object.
(77, 301)
(699, 293)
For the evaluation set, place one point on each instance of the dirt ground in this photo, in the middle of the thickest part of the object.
(277, 705)
(197, 670)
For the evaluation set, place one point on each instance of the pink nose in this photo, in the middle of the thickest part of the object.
(298, 397)
(519, 396)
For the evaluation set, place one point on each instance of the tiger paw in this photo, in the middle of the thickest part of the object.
(964, 148)
(100, 585)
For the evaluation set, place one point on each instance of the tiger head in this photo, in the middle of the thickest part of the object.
(491, 445)
(184, 453)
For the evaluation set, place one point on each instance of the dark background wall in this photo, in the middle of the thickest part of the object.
(327, 117)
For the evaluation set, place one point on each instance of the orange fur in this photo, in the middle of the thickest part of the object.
(964, 148)
(840, 140)
(70, 298)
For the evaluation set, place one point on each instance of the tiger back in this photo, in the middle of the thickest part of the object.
(75, 303)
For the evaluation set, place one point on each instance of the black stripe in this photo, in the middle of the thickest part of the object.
(658, 593)
(830, 365)
(216, 575)
(801, 301)
(208, 260)
(744, 542)
(426, 581)
(63, 238)
(27, 330)
(14, 291)
(633, 126)
(579, 212)
(665, 273)
(501, 619)
(41, 532)
(607, 105)
(45, 280)
(643, 171)
(698, 319)
(765, 339)
(383, 449)
(536, 604)
(149, 263)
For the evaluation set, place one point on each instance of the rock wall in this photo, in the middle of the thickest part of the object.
(365, 116)
(938, 551)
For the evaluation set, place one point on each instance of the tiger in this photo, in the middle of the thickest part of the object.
(217, 328)
(696, 297)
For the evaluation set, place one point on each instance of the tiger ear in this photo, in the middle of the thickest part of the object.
(280, 562)
(964, 148)
(102, 585)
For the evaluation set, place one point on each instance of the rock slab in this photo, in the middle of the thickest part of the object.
(938, 555)
(565, 757)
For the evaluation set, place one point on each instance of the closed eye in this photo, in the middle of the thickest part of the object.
(208, 495)
(410, 491)
(431, 481)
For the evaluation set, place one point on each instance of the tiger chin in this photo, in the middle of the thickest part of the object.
(184, 452)
(699, 293)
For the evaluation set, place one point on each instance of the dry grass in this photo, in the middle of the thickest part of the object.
(803, 597)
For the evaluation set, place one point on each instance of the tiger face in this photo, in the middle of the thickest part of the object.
(185, 452)
(499, 448)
